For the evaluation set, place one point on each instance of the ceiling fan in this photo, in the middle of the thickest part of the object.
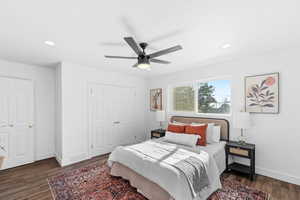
(143, 59)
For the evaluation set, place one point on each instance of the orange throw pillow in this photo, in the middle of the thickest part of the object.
(198, 130)
(176, 128)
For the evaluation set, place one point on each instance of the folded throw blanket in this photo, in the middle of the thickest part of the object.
(195, 172)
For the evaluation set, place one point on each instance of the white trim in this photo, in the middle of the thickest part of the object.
(274, 174)
(68, 160)
(43, 157)
(59, 160)
(278, 175)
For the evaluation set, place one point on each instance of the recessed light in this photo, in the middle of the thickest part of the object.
(225, 46)
(49, 43)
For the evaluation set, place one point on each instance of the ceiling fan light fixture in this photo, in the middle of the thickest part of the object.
(145, 66)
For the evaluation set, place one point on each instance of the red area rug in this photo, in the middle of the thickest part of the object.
(94, 182)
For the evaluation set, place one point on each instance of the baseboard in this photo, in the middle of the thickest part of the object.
(43, 157)
(58, 159)
(278, 175)
(275, 174)
(74, 159)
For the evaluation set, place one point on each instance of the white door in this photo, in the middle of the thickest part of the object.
(110, 117)
(5, 130)
(97, 120)
(16, 136)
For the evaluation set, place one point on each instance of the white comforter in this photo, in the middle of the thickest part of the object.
(150, 160)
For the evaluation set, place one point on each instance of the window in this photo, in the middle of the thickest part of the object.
(214, 97)
(184, 98)
(204, 97)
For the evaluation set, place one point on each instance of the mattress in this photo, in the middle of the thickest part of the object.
(153, 191)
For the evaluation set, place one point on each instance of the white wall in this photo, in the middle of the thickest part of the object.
(44, 83)
(58, 134)
(74, 83)
(276, 136)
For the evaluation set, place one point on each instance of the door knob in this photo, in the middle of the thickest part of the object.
(11, 125)
(4, 125)
(30, 126)
(2, 147)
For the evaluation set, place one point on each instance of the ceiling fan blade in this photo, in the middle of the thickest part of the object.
(122, 57)
(159, 61)
(131, 42)
(165, 51)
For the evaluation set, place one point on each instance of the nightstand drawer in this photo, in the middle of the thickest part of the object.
(238, 151)
(156, 135)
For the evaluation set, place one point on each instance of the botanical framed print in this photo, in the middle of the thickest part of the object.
(262, 93)
(156, 99)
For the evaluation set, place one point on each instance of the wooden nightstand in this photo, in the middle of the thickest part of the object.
(158, 133)
(241, 150)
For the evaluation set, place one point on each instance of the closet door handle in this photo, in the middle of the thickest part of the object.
(4, 125)
(117, 122)
(11, 125)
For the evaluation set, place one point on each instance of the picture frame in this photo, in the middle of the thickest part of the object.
(262, 93)
(156, 99)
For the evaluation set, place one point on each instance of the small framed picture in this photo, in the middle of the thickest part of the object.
(262, 93)
(156, 99)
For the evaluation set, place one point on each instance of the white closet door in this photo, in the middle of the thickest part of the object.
(100, 120)
(5, 130)
(22, 140)
(125, 129)
(111, 117)
(5, 86)
(19, 140)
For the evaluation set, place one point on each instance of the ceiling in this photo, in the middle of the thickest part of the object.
(81, 30)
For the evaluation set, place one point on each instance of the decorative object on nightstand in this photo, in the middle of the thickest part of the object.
(245, 150)
(158, 133)
(241, 120)
(160, 117)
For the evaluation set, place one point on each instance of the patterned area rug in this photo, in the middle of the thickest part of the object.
(94, 182)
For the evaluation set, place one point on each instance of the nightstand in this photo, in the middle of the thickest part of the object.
(158, 133)
(245, 150)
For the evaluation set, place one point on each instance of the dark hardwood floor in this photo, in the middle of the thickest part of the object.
(30, 181)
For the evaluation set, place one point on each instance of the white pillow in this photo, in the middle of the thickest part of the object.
(180, 138)
(216, 133)
(197, 124)
(210, 133)
(178, 123)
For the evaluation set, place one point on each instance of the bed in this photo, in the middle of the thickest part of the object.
(147, 165)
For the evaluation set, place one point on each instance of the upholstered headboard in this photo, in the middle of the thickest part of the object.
(220, 122)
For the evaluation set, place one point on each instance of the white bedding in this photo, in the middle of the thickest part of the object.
(153, 167)
(216, 150)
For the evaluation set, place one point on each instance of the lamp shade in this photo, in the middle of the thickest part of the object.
(241, 120)
(160, 116)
